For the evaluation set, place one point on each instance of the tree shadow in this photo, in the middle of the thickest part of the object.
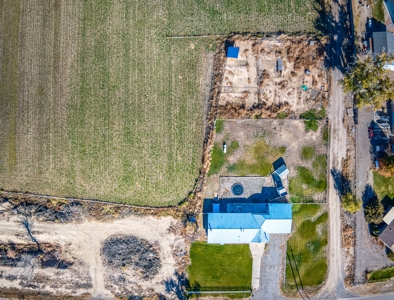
(368, 195)
(341, 182)
(177, 286)
(341, 47)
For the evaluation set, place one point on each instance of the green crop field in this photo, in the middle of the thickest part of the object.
(96, 102)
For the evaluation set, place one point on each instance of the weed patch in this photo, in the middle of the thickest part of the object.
(219, 126)
(307, 153)
(217, 159)
(311, 118)
(259, 161)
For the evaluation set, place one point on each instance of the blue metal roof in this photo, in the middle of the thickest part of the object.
(281, 211)
(241, 228)
(232, 52)
(233, 221)
(282, 170)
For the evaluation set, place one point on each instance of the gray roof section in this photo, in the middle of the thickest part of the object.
(383, 41)
(387, 236)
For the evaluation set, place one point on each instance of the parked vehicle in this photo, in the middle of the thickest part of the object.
(370, 22)
(370, 131)
(224, 147)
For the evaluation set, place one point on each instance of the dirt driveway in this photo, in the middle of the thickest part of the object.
(83, 242)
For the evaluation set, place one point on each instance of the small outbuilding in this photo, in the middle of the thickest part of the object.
(282, 171)
(233, 52)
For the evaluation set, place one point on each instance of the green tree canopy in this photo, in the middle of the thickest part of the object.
(369, 81)
(350, 203)
(374, 212)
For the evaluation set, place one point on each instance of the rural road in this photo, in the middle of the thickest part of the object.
(86, 240)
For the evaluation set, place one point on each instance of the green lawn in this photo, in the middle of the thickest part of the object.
(378, 10)
(383, 186)
(215, 266)
(381, 275)
(306, 248)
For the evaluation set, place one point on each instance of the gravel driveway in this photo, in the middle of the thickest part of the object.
(369, 256)
(272, 269)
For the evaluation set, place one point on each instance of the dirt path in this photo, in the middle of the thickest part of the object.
(337, 152)
(85, 241)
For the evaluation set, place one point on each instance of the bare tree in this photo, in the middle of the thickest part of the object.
(27, 221)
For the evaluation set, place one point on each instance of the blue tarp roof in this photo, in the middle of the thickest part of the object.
(232, 52)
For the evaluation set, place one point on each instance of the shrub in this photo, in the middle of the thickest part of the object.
(282, 115)
(374, 212)
(350, 203)
(390, 254)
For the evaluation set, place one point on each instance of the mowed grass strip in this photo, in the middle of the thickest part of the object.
(219, 266)
(98, 103)
(306, 261)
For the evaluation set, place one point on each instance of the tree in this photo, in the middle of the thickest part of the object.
(374, 212)
(386, 166)
(369, 81)
(350, 203)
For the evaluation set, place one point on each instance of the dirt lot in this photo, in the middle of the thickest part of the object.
(253, 85)
(80, 259)
(278, 133)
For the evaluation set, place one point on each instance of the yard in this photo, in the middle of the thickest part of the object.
(306, 263)
(220, 267)
(254, 145)
(98, 103)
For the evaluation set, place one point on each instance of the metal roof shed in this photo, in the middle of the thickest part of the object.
(233, 52)
(282, 171)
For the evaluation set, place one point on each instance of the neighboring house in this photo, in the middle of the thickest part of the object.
(387, 235)
(383, 41)
(245, 223)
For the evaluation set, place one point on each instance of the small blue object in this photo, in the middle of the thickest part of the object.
(232, 52)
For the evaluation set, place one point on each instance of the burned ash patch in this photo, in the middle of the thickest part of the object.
(123, 251)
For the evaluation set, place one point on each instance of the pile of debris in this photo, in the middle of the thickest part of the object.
(28, 256)
(123, 251)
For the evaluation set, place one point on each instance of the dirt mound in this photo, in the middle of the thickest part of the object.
(124, 251)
